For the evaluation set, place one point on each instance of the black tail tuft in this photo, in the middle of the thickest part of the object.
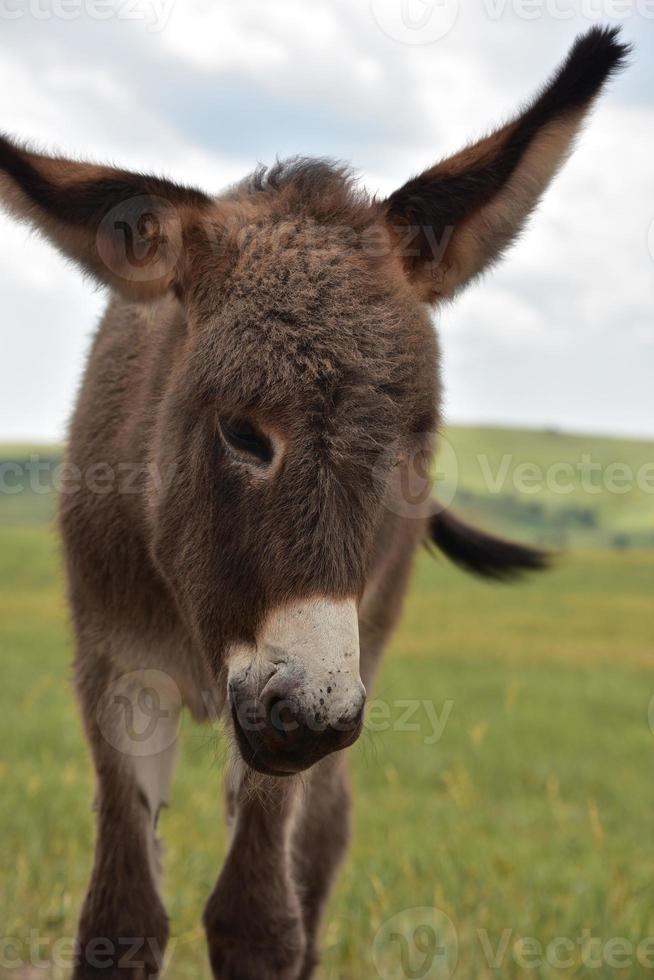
(481, 553)
(594, 58)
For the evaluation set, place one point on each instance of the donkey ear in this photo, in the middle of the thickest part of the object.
(126, 229)
(457, 218)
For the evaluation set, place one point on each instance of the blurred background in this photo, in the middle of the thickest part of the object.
(515, 802)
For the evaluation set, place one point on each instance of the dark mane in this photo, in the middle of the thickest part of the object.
(317, 186)
(308, 175)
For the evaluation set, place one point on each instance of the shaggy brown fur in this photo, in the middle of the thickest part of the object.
(295, 303)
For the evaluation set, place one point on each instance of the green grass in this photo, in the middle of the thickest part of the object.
(532, 813)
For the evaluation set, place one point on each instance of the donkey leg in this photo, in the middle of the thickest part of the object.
(320, 839)
(253, 918)
(132, 723)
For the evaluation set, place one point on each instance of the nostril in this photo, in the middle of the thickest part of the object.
(282, 717)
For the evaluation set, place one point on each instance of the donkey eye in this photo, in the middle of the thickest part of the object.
(242, 436)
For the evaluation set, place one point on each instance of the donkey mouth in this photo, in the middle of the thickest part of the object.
(290, 762)
(251, 754)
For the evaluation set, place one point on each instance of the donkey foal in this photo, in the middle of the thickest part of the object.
(267, 369)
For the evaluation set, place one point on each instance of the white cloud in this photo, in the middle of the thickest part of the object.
(577, 291)
(573, 301)
(213, 37)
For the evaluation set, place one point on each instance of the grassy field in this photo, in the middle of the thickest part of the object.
(528, 822)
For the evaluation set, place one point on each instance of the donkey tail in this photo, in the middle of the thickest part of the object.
(481, 553)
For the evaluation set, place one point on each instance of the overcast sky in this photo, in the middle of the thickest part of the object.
(562, 334)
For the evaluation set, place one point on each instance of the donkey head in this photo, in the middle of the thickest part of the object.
(298, 365)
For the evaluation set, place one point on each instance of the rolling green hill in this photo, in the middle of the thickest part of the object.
(553, 488)
(557, 489)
